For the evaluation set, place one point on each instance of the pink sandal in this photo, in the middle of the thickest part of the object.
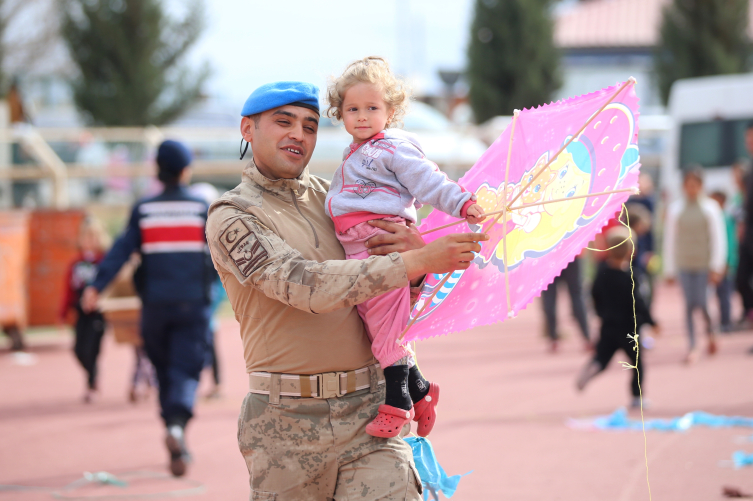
(426, 413)
(389, 421)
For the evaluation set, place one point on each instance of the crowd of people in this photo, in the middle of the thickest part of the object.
(707, 247)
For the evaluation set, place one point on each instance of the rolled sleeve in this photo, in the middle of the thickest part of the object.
(257, 257)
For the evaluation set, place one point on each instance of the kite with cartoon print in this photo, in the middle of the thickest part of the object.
(553, 179)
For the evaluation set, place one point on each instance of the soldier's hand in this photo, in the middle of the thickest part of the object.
(443, 255)
(89, 299)
(400, 238)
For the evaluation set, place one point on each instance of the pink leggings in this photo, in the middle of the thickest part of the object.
(387, 315)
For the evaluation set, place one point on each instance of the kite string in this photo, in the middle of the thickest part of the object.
(634, 337)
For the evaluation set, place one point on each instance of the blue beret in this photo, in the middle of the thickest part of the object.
(173, 157)
(274, 95)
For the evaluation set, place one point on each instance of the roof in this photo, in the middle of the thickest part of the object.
(612, 23)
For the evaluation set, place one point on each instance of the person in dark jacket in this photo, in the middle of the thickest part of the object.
(89, 326)
(614, 296)
(175, 279)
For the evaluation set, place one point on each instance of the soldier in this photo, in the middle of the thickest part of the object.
(313, 382)
(174, 284)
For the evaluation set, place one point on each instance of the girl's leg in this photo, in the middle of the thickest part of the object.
(724, 292)
(688, 290)
(89, 332)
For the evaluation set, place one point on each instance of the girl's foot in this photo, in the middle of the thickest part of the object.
(692, 356)
(426, 410)
(389, 421)
(90, 396)
(712, 345)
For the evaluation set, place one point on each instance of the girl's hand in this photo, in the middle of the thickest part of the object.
(475, 214)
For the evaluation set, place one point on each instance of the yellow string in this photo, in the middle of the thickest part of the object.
(634, 337)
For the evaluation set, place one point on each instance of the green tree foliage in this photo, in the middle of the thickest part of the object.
(129, 56)
(701, 38)
(512, 61)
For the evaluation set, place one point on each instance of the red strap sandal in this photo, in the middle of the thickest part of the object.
(389, 421)
(426, 413)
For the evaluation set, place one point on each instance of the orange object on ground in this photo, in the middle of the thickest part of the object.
(426, 410)
(53, 237)
(14, 260)
(389, 421)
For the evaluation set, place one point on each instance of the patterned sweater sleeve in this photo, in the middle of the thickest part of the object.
(429, 185)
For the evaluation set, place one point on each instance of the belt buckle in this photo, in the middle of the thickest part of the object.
(329, 385)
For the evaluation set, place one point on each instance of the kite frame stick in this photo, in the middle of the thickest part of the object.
(504, 214)
(622, 190)
(629, 81)
(427, 303)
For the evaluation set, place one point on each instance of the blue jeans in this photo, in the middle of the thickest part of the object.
(724, 293)
(177, 340)
(695, 288)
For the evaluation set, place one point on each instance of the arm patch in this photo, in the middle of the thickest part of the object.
(243, 247)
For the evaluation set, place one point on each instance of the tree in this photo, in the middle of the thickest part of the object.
(28, 39)
(512, 61)
(129, 56)
(701, 38)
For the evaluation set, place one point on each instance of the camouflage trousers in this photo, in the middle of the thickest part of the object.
(309, 449)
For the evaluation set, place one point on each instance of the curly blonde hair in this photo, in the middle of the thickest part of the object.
(373, 70)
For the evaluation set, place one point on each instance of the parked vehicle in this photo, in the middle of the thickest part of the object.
(709, 118)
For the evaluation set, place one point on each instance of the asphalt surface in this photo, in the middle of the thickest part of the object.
(504, 410)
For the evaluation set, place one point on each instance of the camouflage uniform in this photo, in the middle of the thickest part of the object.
(294, 295)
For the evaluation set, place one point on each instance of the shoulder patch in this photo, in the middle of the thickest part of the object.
(243, 247)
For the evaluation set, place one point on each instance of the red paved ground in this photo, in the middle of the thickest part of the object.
(505, 402)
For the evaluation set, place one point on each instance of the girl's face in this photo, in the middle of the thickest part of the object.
(364, 111)
(89, 241)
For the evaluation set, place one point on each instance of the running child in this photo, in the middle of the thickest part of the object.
(385, 175)
(89, 327)
(613, 292)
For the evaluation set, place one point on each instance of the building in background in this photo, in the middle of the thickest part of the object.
(605, 41)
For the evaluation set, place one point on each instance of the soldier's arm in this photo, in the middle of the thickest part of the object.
(124, 246)
(259, 258)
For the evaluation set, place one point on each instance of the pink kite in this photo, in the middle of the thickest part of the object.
(552, 180)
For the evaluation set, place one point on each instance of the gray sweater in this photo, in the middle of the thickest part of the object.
(389, 175)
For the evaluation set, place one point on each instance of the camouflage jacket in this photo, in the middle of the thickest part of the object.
(285, 273)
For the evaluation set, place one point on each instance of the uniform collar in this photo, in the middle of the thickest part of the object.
(279, 187)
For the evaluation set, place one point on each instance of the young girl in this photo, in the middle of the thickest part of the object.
(385, 175)
(89, 327)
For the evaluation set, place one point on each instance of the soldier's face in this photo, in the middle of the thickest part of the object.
(282, 140)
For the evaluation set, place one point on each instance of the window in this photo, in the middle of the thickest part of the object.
(713, 144)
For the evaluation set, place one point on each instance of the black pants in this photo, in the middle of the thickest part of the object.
(176, 339)
(745, 276)
(613, 339)
(571, 276)
(90, 327)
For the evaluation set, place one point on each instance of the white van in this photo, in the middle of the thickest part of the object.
(709, 118)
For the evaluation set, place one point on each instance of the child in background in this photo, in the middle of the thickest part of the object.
(385, 175)
(695, 248)
(724, 287)
(89, 327)
(613, 294)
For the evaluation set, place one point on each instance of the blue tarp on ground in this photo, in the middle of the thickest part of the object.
(619, 420)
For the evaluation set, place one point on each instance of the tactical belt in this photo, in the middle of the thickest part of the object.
(321, 386)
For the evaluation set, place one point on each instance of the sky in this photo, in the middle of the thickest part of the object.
(251, 42)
